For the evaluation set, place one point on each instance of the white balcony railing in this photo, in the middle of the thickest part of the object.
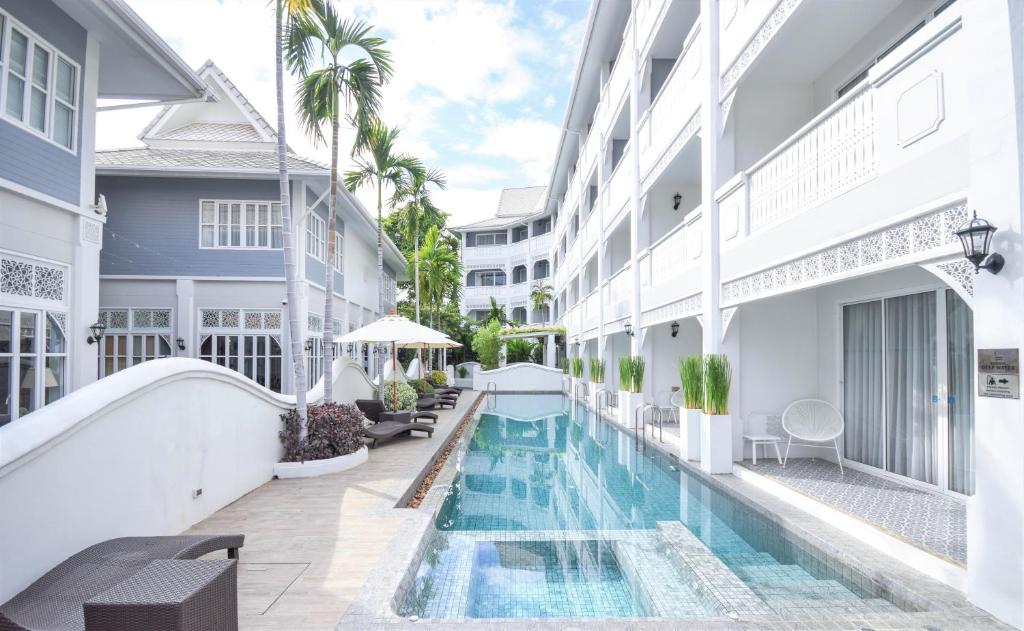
(647, 13)
(828, 156)
(615, 88)
(618, 293)
(591, 310)
(676, 104)
(619, 189)
(484, 253)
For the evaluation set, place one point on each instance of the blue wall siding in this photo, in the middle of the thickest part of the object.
(26, 158)
(162, 216)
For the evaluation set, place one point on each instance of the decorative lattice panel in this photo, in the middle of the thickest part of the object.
(28, 279)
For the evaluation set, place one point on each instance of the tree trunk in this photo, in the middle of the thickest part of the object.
(416, 273)
(332, 221)
(293, 308)
(380, 282)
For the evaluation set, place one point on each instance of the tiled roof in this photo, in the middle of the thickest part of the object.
(191, 159)
(515, 202)
(493, 222)
(213, 132)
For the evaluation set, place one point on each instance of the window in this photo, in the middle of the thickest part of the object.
(542, 226)
(491, 238)
(390, 289)
(39, 86)
(541, 269)
(316, 238)
(520, 233)
(519, 274)
(490, 278)
(246, 341)
(133, 336)
(339, 248)
(33, 356)
(222, 224)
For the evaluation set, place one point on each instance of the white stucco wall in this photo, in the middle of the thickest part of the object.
(124, 455)
(519, 377)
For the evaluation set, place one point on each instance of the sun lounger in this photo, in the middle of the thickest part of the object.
(389, 429)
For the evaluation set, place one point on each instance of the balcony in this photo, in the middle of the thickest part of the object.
(618, 293)
(619, 189)
(669, 268)
(476, 255)
(674, 114)
(591, 311)
(896, 137)
(614, 91)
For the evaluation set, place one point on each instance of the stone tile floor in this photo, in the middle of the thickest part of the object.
(311, 543)
(932, 521)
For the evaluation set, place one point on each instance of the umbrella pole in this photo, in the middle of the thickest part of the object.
(394, 364)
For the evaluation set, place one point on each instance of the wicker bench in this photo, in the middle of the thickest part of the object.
(170, 595)
(55, 601)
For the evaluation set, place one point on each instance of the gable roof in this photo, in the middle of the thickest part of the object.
(207, 161)
(515, 202)
(249, 123)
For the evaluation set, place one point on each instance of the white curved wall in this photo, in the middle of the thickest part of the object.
(519, 377)
(123, 456)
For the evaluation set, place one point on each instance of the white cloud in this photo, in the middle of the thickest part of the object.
(473, 175)
(468, 205)
(529, 142)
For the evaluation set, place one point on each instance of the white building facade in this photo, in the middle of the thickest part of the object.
(780, 181)
(505, 256)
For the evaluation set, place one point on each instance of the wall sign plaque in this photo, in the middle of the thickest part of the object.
(999, 373)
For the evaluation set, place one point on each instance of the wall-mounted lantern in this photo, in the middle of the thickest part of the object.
(181, 343)
(675, 329)
(628, 328)
(677, 199)
(97, 330)
(976, 239)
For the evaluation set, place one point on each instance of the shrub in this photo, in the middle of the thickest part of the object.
(518, 351)
(717, 381)
(406, 397)
(487, 344)
(439, 377)
(462, 371)
(332, 430)
(421, 386)
(691, 376)
(577, 367)
(537, 354)
(637, 373)
(625, 373)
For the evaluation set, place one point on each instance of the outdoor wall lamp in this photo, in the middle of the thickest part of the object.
(309, 346)
(675, 329)
(976, 238)
(676, 200)
(97, 330)
(181, 343)
(628, 328)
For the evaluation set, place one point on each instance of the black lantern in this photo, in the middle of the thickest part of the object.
(181, 343)
(676, 200)
(309, 346)
(97, 330)
(976, 238)
(628, 328)
(675, 329)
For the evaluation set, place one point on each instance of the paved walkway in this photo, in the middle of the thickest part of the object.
(310, 544)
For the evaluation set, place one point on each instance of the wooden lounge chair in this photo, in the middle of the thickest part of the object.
(57, 599)
(385, 430)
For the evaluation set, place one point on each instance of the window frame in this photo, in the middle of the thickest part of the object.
(8, 24)
(316, 238)
(339, 252)
(243, 224)
(39, 355)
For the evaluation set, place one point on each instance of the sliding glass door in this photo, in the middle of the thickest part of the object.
(907, 387)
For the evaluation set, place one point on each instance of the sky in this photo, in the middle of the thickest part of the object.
(479, 89)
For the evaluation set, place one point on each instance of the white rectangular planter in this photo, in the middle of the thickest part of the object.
(716, 443)
(628, 403)
(689, 434)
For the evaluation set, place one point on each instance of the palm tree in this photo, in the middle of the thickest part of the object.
(541, 294)
(377, 164)
(416, 194)
(497, 312)
(440, 274)
(318, 38)
(290, 10)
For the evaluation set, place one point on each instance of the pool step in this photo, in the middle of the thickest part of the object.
(706, 573)
(657, 578)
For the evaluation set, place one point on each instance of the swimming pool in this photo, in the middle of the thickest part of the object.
(554, 513)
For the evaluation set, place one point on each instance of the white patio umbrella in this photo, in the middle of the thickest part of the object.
(400, 333)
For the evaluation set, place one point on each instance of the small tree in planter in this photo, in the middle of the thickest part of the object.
(576, 371)
(716, 423)
(626, 382)
(596, 377)
(691, 376)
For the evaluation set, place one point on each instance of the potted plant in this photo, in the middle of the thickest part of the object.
(715, 422)
(576, 368)
(691, 376)
(333, 441)
(631, 379)
(596, 378)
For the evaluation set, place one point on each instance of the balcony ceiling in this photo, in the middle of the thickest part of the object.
(815, 37)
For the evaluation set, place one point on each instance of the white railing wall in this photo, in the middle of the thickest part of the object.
(618, 293)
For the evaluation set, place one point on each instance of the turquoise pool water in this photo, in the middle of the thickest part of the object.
(555, 513)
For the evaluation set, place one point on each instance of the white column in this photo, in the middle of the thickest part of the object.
(185, 318)
(84, 288)
(634, 202)
(995, 515)
(711, 115)
(602, 264)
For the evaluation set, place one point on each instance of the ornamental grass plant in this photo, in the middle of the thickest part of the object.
(691, 376)
(717, 381)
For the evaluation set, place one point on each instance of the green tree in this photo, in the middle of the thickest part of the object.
(289, 10)
(418, 204)
(518, 351)
(487, 344)
(497, 313)
(324, 94)
(440, 271)
(541, 294)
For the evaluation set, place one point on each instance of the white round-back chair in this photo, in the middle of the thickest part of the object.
(813, 422)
